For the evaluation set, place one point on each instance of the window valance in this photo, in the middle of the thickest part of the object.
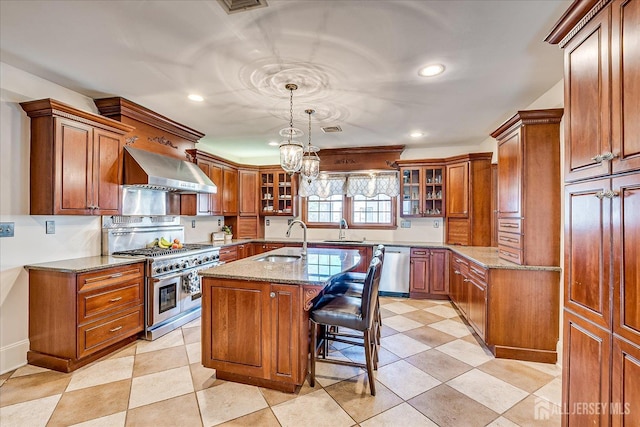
(368, 185)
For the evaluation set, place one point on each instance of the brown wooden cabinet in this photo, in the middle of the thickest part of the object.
(429, 271)
(468, 200)
(75, 318)
(278, 193)
(497, 304)
(529, 195)
(255, 333)
(422, 189)
(248, 192)
(229, 253)
(224, 176)
(76, 160)
(602, 314)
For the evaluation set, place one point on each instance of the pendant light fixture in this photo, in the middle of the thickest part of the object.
(310, 160)
(291, 150)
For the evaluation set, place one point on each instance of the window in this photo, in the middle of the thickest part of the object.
(372, 210)
(359, 211)
(324, 210)
(364, 200)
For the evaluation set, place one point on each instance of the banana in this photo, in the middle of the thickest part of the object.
(164, 243)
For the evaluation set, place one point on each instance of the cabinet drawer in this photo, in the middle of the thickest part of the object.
(510, 225)
(229, 253)
(420, 253)
(511, 240)
(107, 300)
(98, 335)
(510, 254)
(479, 274)
(460, 265)
(110, 276)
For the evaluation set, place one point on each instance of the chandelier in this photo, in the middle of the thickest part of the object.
(310, 160)
(291, 150)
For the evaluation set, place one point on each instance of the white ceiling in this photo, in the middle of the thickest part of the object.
(355, 63)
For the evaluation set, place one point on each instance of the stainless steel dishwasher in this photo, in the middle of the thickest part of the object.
(395, 271)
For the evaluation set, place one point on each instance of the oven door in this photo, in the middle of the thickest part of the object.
(164, 298)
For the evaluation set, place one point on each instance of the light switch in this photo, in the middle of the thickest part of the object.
(6, 229)
(50, 227)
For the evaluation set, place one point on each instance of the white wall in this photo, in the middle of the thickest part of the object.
(76, 236)
(79, 236)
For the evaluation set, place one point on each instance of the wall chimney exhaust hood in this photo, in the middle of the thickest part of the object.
(145, 169)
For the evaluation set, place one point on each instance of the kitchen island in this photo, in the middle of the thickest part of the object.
(255, 314)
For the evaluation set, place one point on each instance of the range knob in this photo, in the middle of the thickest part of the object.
(185, 264)
(165, 268)
(206, 259)
(176, 266)
(158, 270)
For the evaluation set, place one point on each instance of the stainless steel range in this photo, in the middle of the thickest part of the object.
(172, 284)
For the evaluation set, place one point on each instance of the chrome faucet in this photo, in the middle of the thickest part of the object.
(341, 235)
(304, 242)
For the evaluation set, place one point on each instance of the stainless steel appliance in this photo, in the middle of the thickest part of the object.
(394, 280)
(172, 285)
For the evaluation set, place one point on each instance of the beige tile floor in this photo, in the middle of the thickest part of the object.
(432, 372)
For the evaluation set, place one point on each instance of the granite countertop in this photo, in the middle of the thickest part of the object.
(484, 256)
(83, 265)
(316, 269)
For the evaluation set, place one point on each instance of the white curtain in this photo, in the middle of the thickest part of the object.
(370, 185)
(324, 186)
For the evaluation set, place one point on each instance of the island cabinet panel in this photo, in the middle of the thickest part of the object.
(236, 339)
(76, 160)
(253, 332)
(285, 308)
(75, 319)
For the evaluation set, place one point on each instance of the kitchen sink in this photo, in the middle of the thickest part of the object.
(280, 258)
(344, 241)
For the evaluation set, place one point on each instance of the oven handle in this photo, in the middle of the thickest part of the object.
(184, 272)
(171, 276)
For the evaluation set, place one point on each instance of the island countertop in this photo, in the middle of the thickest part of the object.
(317, 268)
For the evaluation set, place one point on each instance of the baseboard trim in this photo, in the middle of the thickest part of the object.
(13, 356)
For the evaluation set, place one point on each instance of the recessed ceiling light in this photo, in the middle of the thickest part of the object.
(195, 97)
(416, 134)
(431, 70)
(273, 144)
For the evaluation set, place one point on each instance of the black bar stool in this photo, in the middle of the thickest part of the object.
(353, 313)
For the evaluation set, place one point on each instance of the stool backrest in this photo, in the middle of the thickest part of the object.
(370, 290)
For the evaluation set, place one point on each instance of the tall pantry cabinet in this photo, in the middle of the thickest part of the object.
(601, 42)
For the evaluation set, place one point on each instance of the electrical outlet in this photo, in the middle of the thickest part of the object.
(405, 224)
(6, 229)
(193, 223)
(436, 224)
(268, 222)
(219, 222)
(289, 221)
(50, 227)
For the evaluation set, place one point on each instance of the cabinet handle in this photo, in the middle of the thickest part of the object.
(508, 254)
(599, 195)
(272, 294)
(509, 225)
(116, 275)
(611, 194)
(475, 270)
(115, 329)
(465, 280)
(420, 252)
(115, 299)
(606, 156)
(456, 272)
(509, 239)
(458, 260)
